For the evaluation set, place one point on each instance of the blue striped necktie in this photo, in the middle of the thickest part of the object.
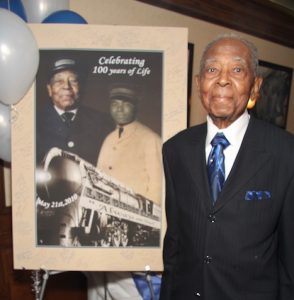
(216, 165)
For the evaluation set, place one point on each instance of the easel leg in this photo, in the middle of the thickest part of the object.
(45, 279)
(39, 285)
(105, 285)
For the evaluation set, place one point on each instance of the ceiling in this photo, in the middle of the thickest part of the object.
(272, 20)
(287, 5)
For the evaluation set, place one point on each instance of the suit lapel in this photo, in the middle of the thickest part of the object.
(197, 164)
(251, 157)
(53, 122)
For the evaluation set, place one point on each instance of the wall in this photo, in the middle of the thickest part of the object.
(131, 12)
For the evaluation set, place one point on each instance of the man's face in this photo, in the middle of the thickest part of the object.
(122, 112)
(227, 81)
(63, 89)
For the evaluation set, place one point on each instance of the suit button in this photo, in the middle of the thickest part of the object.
(211, 218)
(208, 259)
(197, 294)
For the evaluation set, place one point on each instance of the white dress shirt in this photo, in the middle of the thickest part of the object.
(234, 134)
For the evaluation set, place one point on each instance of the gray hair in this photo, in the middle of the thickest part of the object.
(252, 49)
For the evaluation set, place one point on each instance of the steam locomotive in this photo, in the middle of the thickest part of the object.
(79, 205)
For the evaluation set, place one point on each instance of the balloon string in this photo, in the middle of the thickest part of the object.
(9, 5)
(14, 114)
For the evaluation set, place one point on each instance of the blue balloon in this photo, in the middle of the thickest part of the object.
(14, 6)
(65, 16)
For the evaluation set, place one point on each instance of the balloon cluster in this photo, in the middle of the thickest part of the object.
(19, 53)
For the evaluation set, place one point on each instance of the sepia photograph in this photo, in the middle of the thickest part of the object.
(98, 148)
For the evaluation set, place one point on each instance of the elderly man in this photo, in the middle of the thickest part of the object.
(65, 122)
(229, 191)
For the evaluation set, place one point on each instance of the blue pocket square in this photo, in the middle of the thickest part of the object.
(257, 195)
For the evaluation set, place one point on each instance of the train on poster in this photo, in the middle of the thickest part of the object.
(107, 212)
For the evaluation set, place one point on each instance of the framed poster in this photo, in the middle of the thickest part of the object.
(88, 190)
(272, 105)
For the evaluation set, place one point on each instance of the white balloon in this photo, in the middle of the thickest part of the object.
(38, 10)
(5, 133)
(19, 57)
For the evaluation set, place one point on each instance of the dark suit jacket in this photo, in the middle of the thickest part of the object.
(240, 249)
(84, 137)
